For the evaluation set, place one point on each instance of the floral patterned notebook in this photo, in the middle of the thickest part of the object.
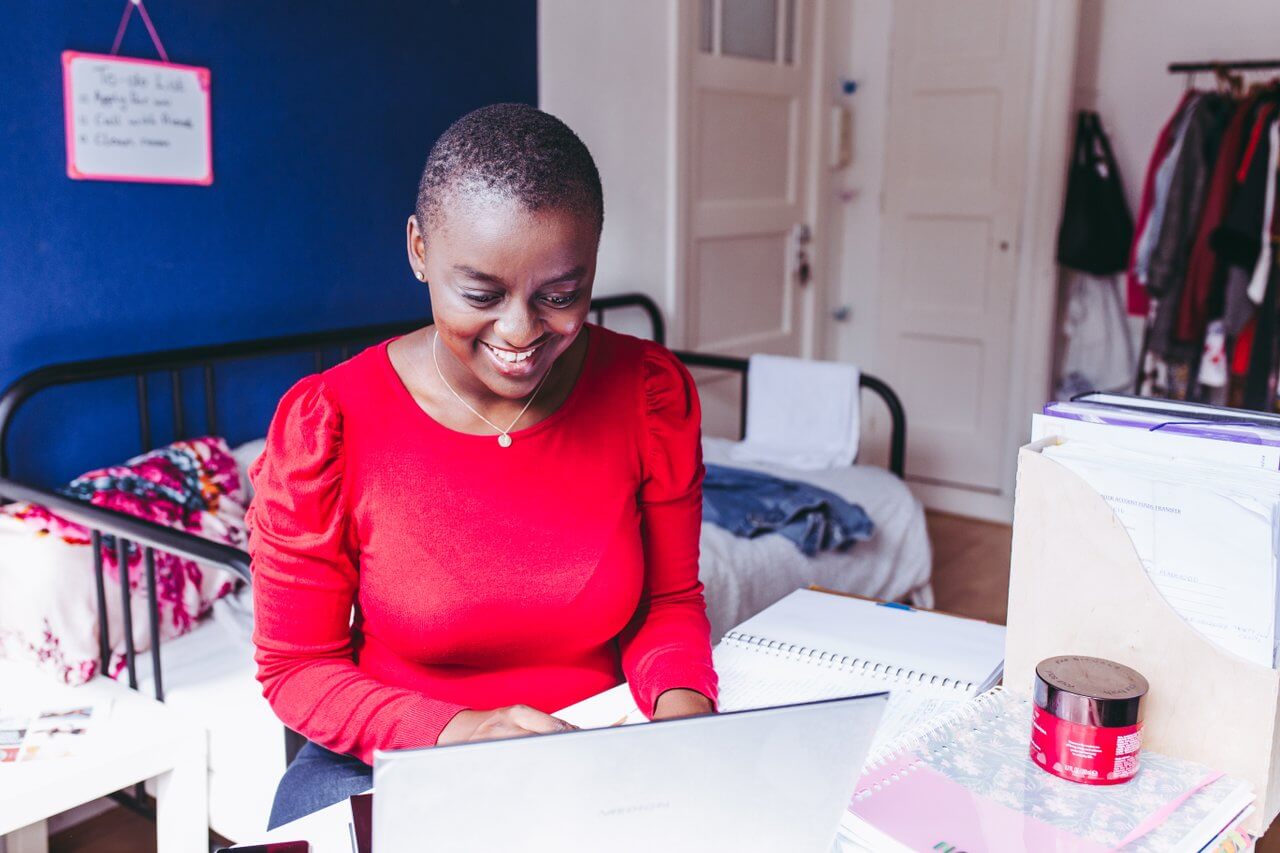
(969, 784)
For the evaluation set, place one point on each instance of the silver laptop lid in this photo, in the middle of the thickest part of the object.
(764, 780)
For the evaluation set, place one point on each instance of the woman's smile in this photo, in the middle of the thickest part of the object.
(517, 364)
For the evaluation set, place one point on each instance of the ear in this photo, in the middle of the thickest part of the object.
(416, 245)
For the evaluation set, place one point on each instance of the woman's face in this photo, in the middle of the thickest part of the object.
(510, 288)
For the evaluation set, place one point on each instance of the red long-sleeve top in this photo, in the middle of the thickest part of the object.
(403, 572)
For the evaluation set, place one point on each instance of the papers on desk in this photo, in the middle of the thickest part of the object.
(1203, 512)
(814, 645)
(32, 734)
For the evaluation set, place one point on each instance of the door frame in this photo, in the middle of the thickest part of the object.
(683, 22)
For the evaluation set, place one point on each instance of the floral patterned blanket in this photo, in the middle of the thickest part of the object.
(50, 614)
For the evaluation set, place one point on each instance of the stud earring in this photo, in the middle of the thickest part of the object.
(421, 275)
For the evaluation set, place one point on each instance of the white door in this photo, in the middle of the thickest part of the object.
(748, 237)
(958, 117)
(747, 182)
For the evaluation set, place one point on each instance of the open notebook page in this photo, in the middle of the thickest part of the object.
(751, 680)
(945, 648)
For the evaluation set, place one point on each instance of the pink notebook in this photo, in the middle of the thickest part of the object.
(969, 785)
(924, 810)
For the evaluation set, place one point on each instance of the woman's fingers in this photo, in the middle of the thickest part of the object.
(536, 722)
(518, 721)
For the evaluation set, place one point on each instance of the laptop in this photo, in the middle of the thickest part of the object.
(763, 780)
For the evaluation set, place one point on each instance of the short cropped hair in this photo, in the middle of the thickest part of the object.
(514, 151)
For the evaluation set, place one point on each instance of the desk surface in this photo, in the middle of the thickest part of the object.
(140, 739)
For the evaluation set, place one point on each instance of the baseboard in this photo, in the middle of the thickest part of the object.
(954, 500)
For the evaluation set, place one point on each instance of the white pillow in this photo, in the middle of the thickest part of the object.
(245, 455)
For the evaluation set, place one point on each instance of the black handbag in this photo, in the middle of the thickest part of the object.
(1096, 230)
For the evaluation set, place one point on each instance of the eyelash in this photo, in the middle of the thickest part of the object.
(555, 301)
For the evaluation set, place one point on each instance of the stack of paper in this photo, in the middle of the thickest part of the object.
(1202, 508)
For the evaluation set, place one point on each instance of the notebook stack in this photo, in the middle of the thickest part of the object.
(970, 785)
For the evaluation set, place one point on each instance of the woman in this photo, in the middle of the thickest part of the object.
(459, 531)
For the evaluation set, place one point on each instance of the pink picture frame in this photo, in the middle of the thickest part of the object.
(75, 167)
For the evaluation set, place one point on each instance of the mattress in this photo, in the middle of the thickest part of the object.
(744, 576)
(210, 672)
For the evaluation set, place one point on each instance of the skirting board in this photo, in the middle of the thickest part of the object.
(1077, 586)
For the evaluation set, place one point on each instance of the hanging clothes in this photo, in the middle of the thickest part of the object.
(1136, 297)
(1166, 274)
(1202, 291)
(1237, 241)
(1262, 269)
(1205, 250)
(1161, 179)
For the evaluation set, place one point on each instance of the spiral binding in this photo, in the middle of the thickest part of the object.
(928, 739)
(845, 663)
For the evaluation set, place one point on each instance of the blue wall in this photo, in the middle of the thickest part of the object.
(323, 113)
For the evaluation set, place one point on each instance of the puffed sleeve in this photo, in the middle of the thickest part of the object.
(305, 576)
(668, 643)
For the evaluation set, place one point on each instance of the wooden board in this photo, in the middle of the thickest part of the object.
(1077, 586)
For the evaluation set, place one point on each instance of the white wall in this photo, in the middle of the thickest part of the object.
(607, 69)
(858, 49)
(1125, 47)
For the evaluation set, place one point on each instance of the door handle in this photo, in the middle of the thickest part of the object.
(802, 235)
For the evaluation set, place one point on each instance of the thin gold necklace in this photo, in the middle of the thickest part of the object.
(504, 435)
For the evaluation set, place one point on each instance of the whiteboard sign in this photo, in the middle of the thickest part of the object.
(136, 120)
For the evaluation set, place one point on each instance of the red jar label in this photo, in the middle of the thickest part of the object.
(1090, 754)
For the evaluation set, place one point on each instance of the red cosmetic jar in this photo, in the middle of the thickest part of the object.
(1086, 725)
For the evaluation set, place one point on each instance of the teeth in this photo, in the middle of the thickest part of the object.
(511, 357)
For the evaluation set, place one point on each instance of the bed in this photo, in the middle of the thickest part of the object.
(209, 673)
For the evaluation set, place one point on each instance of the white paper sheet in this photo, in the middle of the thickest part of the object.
(1206, 534)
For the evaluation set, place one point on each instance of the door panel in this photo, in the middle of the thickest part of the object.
(958, 118)
(744, 146)
(750, 87)
(739, 299)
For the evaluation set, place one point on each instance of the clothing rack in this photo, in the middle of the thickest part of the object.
(1234, 65)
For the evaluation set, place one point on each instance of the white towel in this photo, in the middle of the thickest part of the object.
(800, 413)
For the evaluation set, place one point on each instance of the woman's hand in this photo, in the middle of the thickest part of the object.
(681, 702)
(512, 721)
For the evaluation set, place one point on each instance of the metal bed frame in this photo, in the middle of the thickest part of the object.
(128, 530)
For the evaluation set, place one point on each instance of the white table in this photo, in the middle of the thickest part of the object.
(139, 740)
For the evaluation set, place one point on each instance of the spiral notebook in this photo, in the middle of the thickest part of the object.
(817, 645)
(972, 769)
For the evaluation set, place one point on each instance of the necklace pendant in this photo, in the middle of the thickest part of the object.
(504, 440)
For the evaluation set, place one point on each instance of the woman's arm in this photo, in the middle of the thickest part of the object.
(305, 580)
(667, 645)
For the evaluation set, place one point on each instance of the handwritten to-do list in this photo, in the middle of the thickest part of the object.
(136, 120)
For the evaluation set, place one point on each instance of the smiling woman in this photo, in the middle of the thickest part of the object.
(508, 500)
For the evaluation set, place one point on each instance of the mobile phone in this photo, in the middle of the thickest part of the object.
(273, 847)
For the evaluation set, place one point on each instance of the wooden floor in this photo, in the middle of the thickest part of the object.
(970, 578)
(970, 566)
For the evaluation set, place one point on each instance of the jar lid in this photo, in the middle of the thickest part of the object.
(1090, 691)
